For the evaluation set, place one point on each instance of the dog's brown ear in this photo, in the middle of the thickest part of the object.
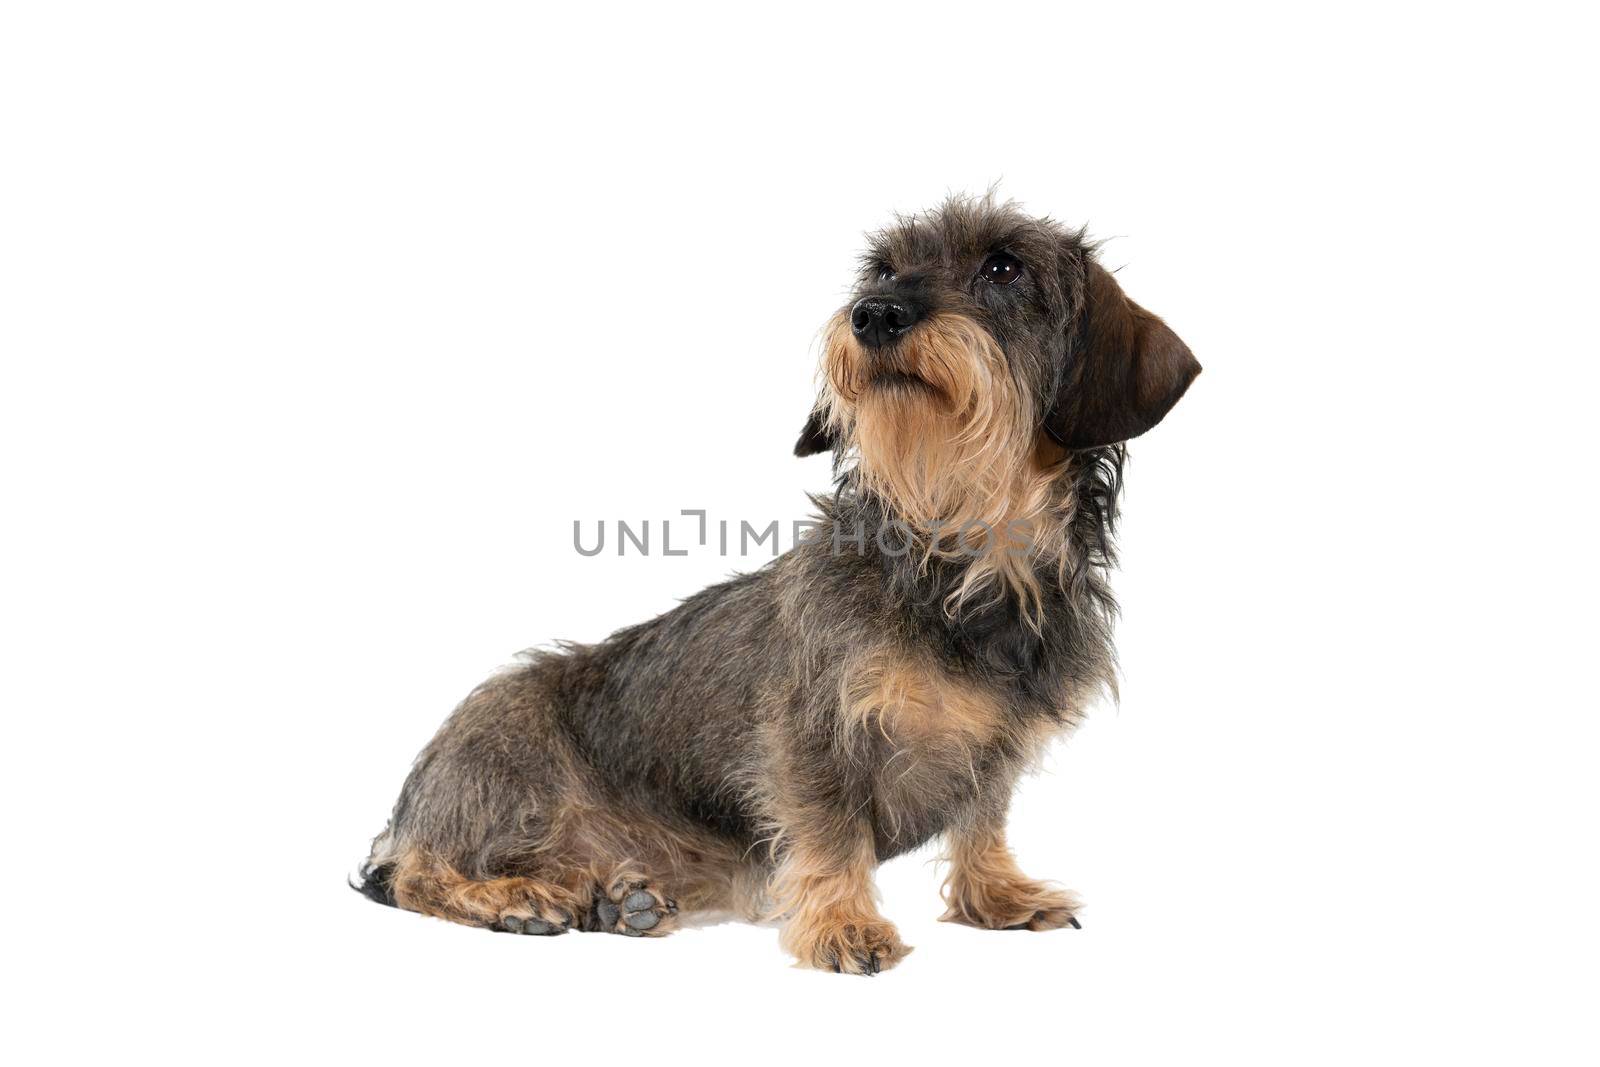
(816, 436)
(1127, 370)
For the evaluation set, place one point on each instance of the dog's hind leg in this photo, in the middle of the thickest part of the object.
(519, 905)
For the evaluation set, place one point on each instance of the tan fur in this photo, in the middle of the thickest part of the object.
(910, 697)
(986, 889)
(425, 884)
(965, 464)
(831, 919)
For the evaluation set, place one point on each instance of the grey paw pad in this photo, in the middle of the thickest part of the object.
(632, 907)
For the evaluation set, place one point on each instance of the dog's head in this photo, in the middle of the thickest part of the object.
(980, 344)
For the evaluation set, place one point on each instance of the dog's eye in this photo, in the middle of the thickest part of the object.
(1000, 269)
(886, 273)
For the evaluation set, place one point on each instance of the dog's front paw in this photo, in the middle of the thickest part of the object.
(1012, 905)
(865, 945)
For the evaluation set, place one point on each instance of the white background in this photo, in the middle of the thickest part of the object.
(322, 322)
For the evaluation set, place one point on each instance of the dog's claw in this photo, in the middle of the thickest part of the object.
(867, 946)
(1074, 923)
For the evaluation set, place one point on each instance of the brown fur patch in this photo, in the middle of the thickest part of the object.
(986, 889)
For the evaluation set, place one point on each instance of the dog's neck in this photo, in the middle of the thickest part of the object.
(1048, 553)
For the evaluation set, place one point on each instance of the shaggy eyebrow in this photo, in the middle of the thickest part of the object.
(1011, 241)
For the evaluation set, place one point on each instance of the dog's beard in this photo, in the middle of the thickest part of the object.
(944, 434)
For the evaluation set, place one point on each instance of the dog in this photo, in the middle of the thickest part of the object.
(765, 744)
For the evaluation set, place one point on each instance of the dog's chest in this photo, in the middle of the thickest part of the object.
(935, 742)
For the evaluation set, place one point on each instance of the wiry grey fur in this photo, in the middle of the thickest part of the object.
(717, 731)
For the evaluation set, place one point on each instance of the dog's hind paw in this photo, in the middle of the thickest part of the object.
(518, 924)
(634, 907)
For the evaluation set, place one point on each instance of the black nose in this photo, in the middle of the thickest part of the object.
(877, 320)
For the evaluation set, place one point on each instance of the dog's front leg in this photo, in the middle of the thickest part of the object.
(986, 889)
(823, 889)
